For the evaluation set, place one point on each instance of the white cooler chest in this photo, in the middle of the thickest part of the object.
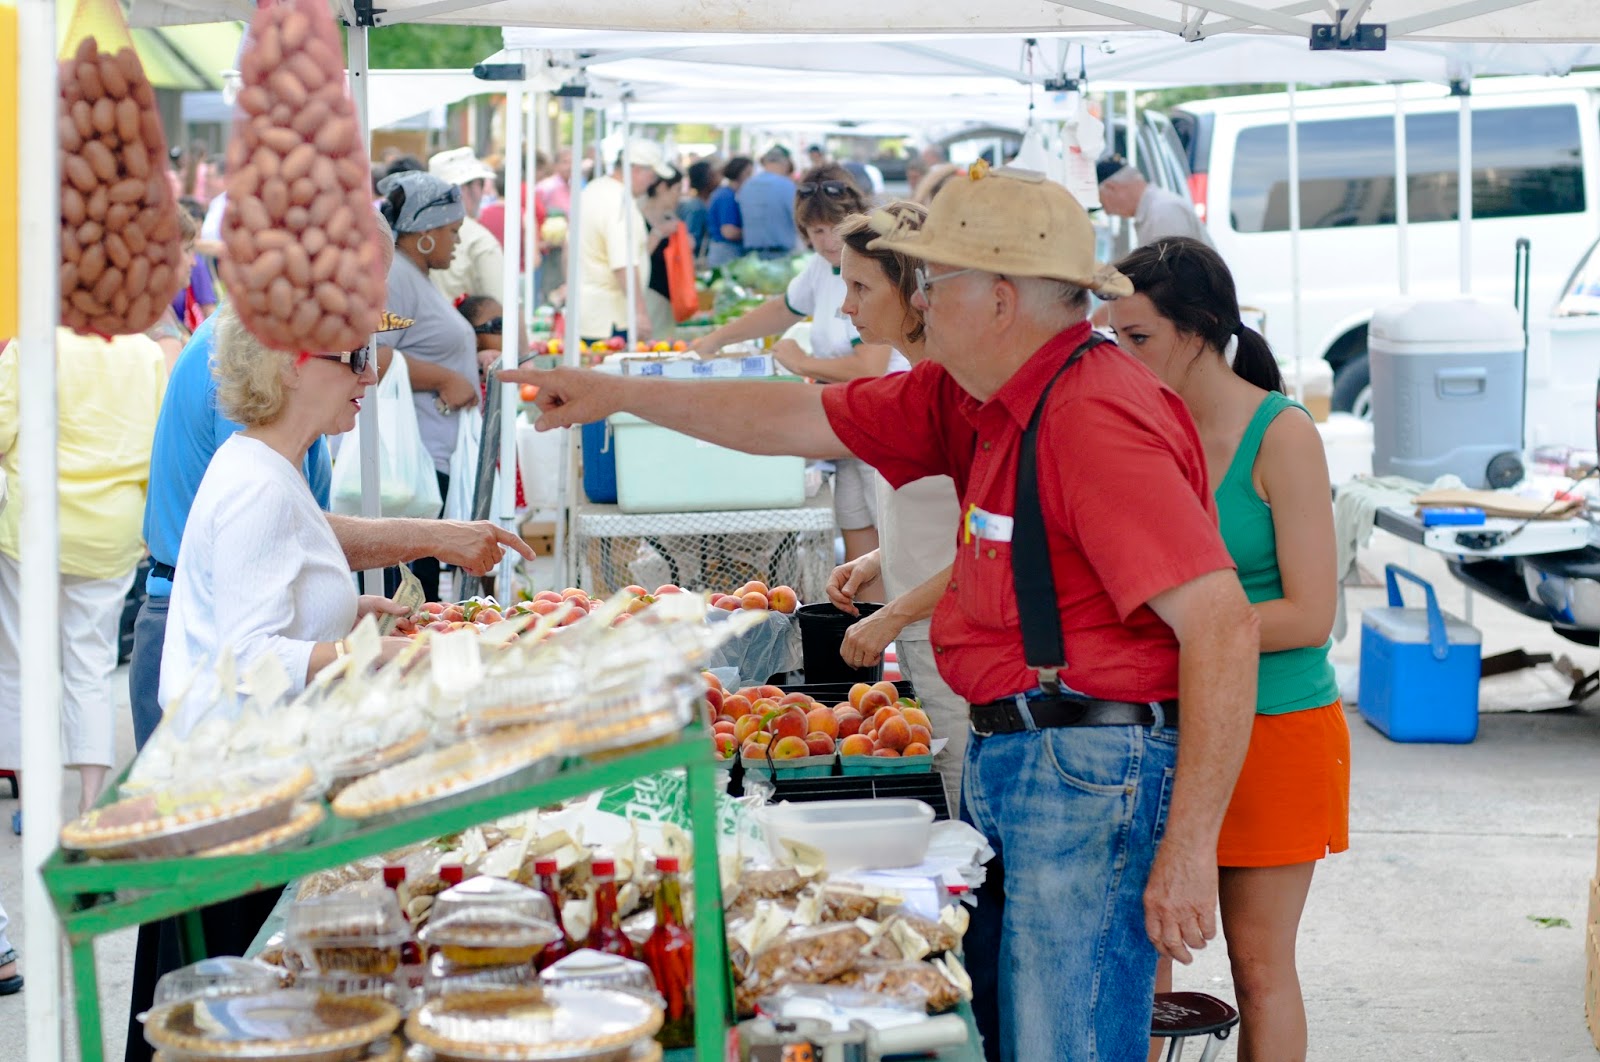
(1447, 391)
(663, 471)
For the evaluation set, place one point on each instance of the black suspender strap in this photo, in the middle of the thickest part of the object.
(1031, 571)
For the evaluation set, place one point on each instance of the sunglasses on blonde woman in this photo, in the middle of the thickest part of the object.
(359, 360)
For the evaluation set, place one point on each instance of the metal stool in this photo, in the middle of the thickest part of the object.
(1181, 1015)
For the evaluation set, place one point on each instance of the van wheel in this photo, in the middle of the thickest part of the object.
(1352, 388)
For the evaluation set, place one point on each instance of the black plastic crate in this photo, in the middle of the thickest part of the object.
(926, 786)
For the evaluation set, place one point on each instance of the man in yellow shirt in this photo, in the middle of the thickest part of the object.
(109, 394)
(608, 209)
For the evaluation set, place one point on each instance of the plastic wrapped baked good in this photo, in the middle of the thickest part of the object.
(766, 883)
(496, 896)
(441, 977)
(303, 821)
(288, 1025)
(355, 932)
(532, 1025)
(222, 976)
(587, 968)
(182, 820)
(907, 936)
(468, 766)
(943, 983)
(484, 936)
(839, 901)
(812, 954)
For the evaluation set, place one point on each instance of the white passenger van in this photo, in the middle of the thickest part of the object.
(1535, 146)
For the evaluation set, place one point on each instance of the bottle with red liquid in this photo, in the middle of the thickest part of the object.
(547, 880)
(670, 955)
(606, 934)
(410, 951)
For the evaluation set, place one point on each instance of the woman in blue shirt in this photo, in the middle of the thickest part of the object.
(722, 213)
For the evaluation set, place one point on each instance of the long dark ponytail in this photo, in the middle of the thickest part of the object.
(1189, 284)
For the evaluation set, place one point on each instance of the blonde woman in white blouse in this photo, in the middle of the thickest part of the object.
(260, 569)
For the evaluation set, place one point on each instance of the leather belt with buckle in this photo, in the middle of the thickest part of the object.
(1012, 716)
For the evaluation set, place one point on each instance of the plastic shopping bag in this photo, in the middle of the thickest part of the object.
(458, 504)
(407, 485)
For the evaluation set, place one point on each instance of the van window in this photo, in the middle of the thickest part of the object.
(1526, 161)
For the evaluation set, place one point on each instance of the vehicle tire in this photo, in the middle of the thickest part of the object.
(1352, 387)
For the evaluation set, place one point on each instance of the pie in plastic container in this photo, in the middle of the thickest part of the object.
(304, 819)
(183, 820)
(393, 1050)
(289, 1025)
(470, 765)
(530, 1025)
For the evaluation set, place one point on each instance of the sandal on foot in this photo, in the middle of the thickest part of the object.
(10, 986)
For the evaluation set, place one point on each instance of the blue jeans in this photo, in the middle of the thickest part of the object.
(1061, 967)
(144, 667)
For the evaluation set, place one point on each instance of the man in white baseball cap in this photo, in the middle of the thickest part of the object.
(605, 231)
(478, 265)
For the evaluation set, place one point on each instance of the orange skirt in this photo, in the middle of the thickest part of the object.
(1292, 801)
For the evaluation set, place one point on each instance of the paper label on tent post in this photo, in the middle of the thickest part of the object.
(455, 661)
(410, 595)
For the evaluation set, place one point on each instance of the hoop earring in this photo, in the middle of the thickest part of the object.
(432, 243)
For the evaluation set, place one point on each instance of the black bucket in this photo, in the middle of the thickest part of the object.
(822, 628)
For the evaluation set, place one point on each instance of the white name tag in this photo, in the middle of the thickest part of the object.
(991, 527)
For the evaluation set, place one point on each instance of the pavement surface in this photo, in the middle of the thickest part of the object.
(1418, 944)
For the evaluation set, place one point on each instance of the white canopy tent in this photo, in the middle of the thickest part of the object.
(987, 62)
(1534, 21)
(1551, 22)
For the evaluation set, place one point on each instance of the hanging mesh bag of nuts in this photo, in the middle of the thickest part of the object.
(120, 242)
(304, 264)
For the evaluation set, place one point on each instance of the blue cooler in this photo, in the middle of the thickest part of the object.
(1419, 669)
(599, 463)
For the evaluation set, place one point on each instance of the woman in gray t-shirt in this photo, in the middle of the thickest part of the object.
(425, 214)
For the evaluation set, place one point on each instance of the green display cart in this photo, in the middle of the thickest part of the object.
(147, 890)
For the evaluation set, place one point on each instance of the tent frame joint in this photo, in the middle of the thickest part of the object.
(366, 14)
(1344, 36)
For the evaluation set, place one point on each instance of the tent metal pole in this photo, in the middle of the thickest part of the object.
(371, 505)
(1402, 193)
(1131, 137)
(568, 487)
(625, 175)
(1294, 243)
(510, 333)
(39, 224)
(1463, 89)
(530, 234)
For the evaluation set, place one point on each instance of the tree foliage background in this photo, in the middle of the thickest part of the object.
(408, 47)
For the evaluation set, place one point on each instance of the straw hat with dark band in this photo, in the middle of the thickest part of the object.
(1008, 221)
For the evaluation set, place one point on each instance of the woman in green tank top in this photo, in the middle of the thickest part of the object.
(1290, 806)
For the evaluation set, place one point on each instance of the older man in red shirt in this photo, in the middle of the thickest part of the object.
(1091, 597)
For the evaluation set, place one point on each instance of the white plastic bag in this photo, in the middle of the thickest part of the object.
(464, 465)
(407, 483)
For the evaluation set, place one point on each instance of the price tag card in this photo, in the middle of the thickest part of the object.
(267, 681)
(455, 660)
(365, 645)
